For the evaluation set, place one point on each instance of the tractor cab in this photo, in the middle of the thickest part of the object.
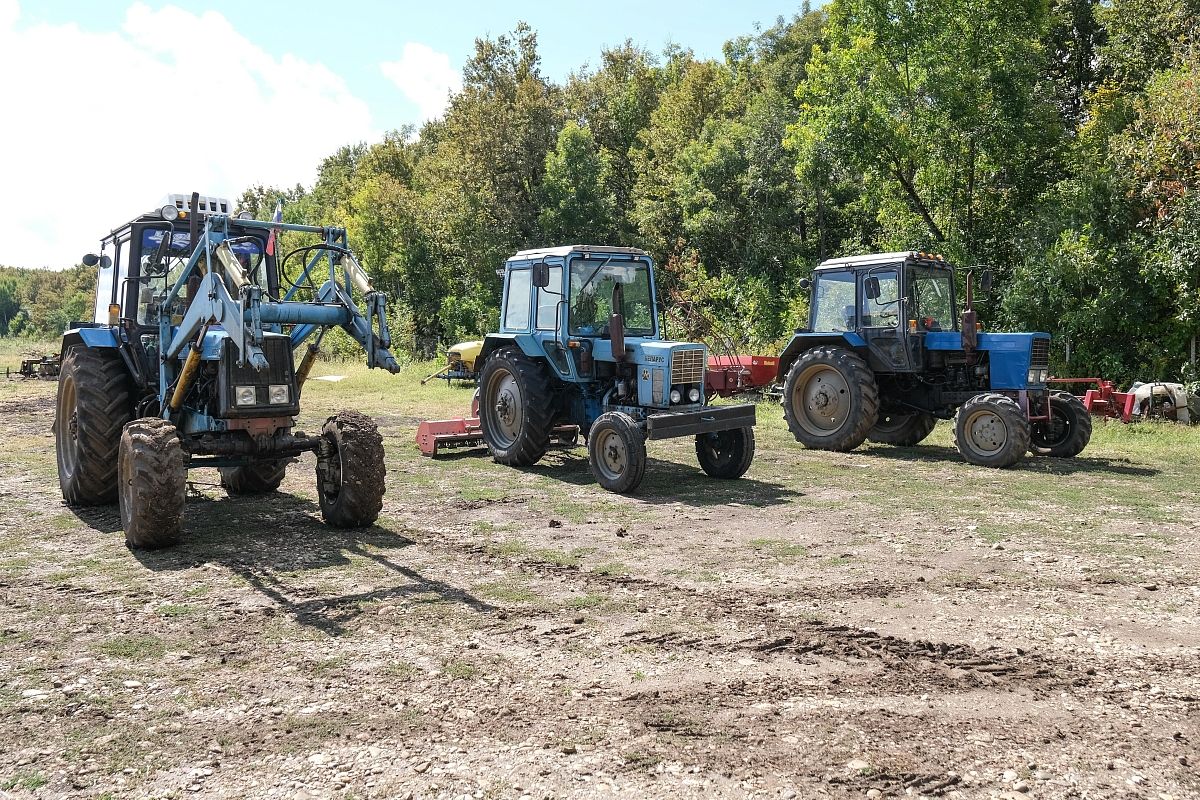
(889, 301)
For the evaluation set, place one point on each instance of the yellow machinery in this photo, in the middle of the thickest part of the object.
(460, 364)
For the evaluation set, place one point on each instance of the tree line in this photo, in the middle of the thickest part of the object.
(1055, 141)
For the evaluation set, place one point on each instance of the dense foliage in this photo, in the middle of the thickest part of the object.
(1057, 141)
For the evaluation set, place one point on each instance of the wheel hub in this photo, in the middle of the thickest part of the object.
(988, 432)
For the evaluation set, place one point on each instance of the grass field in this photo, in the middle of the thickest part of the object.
(886, 622)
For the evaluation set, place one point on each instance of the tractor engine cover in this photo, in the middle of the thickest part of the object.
(280, 371)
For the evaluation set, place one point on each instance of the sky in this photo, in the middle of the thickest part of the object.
(110, 105)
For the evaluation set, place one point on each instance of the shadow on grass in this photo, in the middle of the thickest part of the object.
(669, 482)
(1031, 463)
(268, 539)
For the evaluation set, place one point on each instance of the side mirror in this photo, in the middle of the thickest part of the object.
(92, 260)
(985, 281)
(805, 284)
(871, 288)
(541, 275)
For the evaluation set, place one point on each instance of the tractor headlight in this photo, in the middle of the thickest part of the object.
(694, 395)
(278, 394)
(676, 396)
(1037, 375)
(169, 212)
(245, 395)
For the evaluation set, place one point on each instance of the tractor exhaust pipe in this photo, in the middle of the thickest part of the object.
(970, 333)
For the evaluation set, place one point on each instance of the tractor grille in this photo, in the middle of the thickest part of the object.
(687, 366)
(1039, 357)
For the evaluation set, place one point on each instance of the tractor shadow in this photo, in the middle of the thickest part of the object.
(1044, 465)
(669, 482)
(271, 541)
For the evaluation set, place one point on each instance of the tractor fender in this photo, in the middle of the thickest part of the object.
(89, 337)
(494, 341)
(804, 341)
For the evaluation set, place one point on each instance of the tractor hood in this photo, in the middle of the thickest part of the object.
(1011, 356)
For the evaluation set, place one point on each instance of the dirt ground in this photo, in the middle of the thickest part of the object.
(883, 623)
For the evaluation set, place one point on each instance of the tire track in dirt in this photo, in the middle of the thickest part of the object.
(954, 663)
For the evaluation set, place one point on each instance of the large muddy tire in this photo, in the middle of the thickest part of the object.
(259, 478)
(1067, 432)
(152, 483)
(902, 430)
(93, 406)
(350, 470)
(726, 454)
(830, 399)
(516, 412)
(991, 430)
(617, 452)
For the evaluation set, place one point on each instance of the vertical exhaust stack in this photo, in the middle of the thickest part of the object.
(970, 335)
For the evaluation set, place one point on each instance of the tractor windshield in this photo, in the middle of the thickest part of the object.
(158, 278)
(932, 300)
(592, 284)
(833, 301)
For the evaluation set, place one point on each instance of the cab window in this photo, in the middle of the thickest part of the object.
(932, 298)
(516, 308)
(548, 300)
(833, 301)
(883, 311)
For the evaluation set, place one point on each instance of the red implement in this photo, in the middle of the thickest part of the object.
(447, 433)
(730, 375)
(1103, 401)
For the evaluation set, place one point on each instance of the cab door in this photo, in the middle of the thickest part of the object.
(881, 318)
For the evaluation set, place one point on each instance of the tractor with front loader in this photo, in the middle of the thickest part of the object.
(188, 362)
(886, 354)
(580, 348)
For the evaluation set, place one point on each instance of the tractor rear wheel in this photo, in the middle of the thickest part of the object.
(261, 478)
(830, 399)
(515, 408)
(617, 452)
(1068, 430)
(350, 471)
(902, 430)
(726, 454)
(991, 430)
(93, 406)
(152, 483)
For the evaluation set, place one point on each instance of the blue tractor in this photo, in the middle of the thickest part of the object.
(886, 354)
(188, 362)
(580, 344)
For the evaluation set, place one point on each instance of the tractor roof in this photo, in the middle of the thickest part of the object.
(566, 250)
(928, 259)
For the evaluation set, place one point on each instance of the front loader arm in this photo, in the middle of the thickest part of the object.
(214, 306)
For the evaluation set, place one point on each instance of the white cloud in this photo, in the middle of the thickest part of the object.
(100, 125)
(425, 77)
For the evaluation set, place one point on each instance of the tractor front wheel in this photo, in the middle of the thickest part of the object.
(261, 478)
(726, 454)
(350, 470)
(902, 430)
(151, 483)
(515, 408)
(991, 430)
(617, 452)
(93, 406)
(830, 399)
(1068, 430)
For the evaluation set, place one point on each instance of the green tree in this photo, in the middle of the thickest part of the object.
(576, 204)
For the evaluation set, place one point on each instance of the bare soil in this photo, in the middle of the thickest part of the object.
(889, 622)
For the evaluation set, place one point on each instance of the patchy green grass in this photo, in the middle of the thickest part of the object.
(779, 548)
(135, 647)
(507, 592)
(460, 670)
(24, 781)
(614, 568)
